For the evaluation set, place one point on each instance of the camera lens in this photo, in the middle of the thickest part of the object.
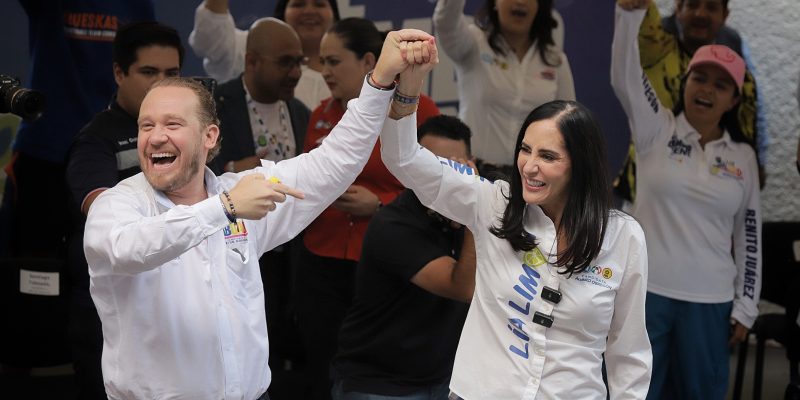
(26, 103)
(15, 99)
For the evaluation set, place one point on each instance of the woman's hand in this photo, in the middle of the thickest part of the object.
(398, 52)
(422, 57)
(358, 201)
(738, 333)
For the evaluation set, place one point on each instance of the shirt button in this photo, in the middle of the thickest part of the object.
(539, 351)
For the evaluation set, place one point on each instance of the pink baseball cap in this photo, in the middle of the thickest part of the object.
(723, 57)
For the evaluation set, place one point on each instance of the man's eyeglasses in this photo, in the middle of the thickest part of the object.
(289, 62)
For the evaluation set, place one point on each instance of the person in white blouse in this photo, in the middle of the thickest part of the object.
(222, 46)
(698, 203)
(173, 251)
(561, 277)
(508, 62)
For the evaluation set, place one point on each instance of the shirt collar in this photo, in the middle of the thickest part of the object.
(685, 130)
(213, 187)
(537, 223)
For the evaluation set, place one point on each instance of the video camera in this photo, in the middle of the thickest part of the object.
(26, 103)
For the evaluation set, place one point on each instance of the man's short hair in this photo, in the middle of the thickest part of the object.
(132, 37)
(206, 109)
(447, 127)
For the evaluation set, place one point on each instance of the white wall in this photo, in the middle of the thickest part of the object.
(771, 28)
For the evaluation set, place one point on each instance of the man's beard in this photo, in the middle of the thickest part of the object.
(184, 176)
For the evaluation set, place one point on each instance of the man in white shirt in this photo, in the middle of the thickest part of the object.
(173, 251)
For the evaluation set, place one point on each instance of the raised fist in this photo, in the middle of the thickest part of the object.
(400, 50)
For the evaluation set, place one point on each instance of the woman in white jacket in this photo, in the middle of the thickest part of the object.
(560, 280)
(698, 203)
(507, 63)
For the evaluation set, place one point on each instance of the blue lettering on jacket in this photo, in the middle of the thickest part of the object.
(516, 326)
(460, 168)
(526, 287)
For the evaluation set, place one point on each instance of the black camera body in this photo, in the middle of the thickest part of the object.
(25, 103)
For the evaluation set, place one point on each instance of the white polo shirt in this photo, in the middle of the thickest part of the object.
(502, 353)
(696, 205)
(496, 92)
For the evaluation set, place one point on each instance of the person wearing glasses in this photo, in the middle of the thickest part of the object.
(326, 267)
(260, 116)
(262, 119)
(217, 40)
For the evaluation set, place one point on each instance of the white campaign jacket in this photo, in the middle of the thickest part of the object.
(496, 92)
(695, 205)
(502, 354)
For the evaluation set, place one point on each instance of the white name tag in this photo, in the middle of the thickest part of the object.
(38, 283)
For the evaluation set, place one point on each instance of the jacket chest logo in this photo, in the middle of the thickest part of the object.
(235, 232)
(679, 150)
(597, 275)
(726, 168)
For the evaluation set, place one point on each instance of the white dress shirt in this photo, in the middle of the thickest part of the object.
(502, 353)
(178, 288)
(695, 203)
(222, 46)
(496, 92)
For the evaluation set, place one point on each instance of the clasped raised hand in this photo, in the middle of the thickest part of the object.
(402, 49)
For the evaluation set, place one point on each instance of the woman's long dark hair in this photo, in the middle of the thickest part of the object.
(729, 120)
(541, 33)
(586, 212)
(280, 9)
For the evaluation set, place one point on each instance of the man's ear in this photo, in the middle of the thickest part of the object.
(210, 136)
(370, 60)
(118, 73)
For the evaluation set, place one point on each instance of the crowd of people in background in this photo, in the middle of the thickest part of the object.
(306, 225)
